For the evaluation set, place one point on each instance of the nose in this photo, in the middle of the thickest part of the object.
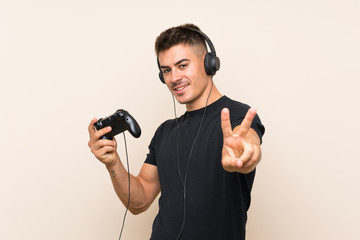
(175, 75)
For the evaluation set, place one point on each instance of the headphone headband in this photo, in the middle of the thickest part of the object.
(207, 39)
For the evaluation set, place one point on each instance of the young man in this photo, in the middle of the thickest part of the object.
(203, 162)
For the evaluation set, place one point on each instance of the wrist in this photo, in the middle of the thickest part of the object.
(113, 164)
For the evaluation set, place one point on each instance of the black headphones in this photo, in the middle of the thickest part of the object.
(211, 61)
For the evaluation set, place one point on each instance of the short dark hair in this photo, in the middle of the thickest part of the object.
(179, 35)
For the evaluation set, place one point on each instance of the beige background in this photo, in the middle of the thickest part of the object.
(64, 62)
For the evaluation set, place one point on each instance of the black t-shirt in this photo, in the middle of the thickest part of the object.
(216, 201)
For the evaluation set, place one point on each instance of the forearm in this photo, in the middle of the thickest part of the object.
(144, 188)
(120, 180)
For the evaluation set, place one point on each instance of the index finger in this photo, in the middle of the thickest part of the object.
(225, 123)
(246, 123)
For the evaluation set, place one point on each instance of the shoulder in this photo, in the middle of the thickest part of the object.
(238, 112)
(167, 125)
(159, 137)
(165, 128)
(237, 109)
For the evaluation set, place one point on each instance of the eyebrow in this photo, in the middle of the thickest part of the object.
(177, 63)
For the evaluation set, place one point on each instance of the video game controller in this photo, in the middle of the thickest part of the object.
(120, 121)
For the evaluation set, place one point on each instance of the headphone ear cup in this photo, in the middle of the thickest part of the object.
(211, 63)
(161, 76)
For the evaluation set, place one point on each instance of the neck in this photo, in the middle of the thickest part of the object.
(210, 95)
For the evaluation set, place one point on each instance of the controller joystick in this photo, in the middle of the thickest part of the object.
(119, 122)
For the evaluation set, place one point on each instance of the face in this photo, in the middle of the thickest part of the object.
(185, 76)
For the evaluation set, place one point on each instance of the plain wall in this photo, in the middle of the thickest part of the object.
(63, 63)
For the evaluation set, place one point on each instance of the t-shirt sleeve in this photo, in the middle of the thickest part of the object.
(154, 145)
(256, 125)
(151, 156)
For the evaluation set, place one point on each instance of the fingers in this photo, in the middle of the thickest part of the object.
(104, 150)
(101, 144)
(91, 126)
(246, 123)
(244, 127)
(249, 159)
(225, 123)
(101, 153)
(245, 163)
(241, 152)
(95, 135)
(101, 132)
(247, 154)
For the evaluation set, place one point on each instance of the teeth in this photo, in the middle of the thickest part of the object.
(179, 89)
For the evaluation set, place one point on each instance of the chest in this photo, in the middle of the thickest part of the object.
(192, 154)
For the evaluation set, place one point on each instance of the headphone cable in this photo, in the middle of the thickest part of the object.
(128, 203)
(188, 163)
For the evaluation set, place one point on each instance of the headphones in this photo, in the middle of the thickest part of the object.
(211, 61)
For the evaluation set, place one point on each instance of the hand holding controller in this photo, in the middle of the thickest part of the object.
(120, 121)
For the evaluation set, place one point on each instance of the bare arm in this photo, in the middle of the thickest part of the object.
(144, 187)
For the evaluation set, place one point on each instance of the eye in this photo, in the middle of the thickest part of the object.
(183, 65)
(166, 70)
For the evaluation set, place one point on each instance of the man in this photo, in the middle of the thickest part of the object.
(203, 162)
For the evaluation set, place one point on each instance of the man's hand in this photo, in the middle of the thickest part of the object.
(103, 149)
(241, 150)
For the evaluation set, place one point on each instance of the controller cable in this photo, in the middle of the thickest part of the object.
(183, 181)
(128, 170)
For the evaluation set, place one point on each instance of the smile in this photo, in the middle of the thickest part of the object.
(180, 88)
